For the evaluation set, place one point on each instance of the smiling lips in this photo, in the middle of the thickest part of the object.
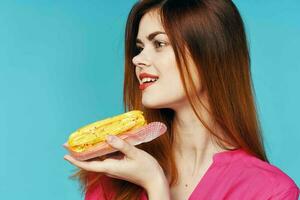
(146, 75)
(145, 83)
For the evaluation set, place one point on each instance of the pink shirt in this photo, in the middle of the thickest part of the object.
(232, 175)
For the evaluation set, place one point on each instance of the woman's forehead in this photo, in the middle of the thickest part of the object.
(149, 23)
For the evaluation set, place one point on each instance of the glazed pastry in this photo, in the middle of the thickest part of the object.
(89, 141)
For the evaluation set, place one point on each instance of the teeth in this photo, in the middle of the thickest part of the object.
(144, 80)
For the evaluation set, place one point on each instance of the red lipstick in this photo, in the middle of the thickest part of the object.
(145, 85)
(146, 75)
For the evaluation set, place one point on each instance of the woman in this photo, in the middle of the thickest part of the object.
(196, 53)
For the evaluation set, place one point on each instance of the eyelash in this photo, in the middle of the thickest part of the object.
(157, 44)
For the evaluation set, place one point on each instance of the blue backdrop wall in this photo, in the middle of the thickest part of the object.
(61, 67)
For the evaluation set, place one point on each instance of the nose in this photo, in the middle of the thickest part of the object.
(140, 60)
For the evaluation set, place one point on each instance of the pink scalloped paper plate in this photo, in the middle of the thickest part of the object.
(141, 135)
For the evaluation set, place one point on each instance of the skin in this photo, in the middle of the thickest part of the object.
(193, 147)
(130, 167)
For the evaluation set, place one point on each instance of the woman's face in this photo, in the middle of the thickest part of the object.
(156, 57)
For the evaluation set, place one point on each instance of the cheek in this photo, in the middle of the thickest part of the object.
(171, 82)
(173, 86)
(167, 93)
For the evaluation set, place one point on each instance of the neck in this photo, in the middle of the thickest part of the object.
(193, 143)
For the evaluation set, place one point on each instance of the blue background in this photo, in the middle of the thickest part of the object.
(61, 67)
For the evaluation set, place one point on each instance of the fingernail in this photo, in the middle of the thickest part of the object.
(110, 138)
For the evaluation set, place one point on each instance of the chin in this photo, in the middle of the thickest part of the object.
(152, 104)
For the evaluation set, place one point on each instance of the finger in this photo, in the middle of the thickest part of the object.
(96, 166)
(112, 176)
(129, 150)
(65, 145)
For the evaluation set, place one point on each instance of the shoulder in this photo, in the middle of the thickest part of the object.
(265, 171)
(266, 176)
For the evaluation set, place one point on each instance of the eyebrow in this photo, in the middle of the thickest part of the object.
(150, 36)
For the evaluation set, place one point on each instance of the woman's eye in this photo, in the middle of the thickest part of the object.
(139, 49)
(159, 44)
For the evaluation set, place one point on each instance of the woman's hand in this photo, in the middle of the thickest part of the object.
(137, 166)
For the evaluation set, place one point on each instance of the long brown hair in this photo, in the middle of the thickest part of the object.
(212, 34)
